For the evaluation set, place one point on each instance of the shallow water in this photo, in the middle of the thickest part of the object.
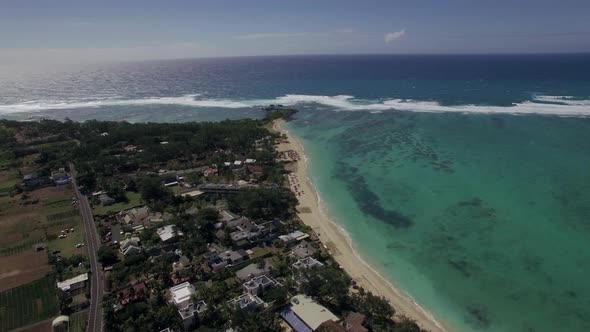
(484, 220)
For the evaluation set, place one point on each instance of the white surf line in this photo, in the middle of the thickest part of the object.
(539, 104)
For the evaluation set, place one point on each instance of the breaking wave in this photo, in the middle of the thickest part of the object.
(539, 104)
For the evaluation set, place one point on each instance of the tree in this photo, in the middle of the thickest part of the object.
(107, 255)
(247, 321)
(151, 189)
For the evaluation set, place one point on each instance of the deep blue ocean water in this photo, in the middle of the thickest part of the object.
(465, 180)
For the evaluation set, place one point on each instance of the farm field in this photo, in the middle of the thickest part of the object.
(20, 269)
(28, 304)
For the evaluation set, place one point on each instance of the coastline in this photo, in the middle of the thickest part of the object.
(338, 242)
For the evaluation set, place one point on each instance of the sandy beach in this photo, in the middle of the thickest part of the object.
(335, 239)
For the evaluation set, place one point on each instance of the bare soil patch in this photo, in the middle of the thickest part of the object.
(23, 268)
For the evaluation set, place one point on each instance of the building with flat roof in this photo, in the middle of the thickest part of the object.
(307, 263)
(182, 294)
(191, 313)
(246, 301)
(257, 285)
(310, 312)
(294, 237)
(73, 284)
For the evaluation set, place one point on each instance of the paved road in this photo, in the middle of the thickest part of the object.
(92, 243)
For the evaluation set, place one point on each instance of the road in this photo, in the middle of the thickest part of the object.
(92, 244)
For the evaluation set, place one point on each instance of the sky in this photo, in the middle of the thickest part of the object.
(82, 30)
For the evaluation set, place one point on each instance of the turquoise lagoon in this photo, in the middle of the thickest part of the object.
(484, 220)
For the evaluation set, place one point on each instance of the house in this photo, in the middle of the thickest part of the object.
(310, 312)
(105, 134)
(233, 256)
(137, 291)
(303, 250)
(256, 170)
(354, 322)
(182, 297)
(246, 301)
(238, 163)
(135, 215)
(250, 161)
(60, 177)
(293, 237)
(240, 223)
(31, 180)
(307, 263)
(252, 271)
(75, 284)
(130, 148)
(168, 233)
(182, 264)
(210, 172)
(226, 216)
(257, 285)
(106, 200)
(130, 246)
(191, 313)
(331, 326)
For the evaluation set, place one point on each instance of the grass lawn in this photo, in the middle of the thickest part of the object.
(78, 321)
(67, 246)
(134, 201)
(6, 184)
(28, 304)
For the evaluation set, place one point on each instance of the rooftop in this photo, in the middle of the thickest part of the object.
(245, 300)
(182, 294)
(311, 312)
(306, 263)
(66, 284)
(168, 232)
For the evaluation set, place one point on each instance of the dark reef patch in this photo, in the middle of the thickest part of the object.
(478, 317)
(367, 200)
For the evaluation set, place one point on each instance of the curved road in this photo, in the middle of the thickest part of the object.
(92, 243)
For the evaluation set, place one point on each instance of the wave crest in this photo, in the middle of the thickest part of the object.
(539, 104)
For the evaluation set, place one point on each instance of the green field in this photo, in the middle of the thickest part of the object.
(28, 304)
(134, 201)
(78, 321)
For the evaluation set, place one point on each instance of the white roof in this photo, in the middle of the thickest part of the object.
(65, 285)
(250, 161)
(182, 294)
(311, 312)
(193, 193)
(168, 232)
(297, 235)
(227, 163)
(237, 162)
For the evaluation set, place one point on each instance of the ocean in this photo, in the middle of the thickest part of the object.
(463, 179)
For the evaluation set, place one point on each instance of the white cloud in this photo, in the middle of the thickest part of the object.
(392, 36)
(258, 36)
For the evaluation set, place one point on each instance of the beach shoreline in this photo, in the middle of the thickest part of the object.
(312, 213)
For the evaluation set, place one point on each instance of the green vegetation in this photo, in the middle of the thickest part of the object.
(134, 200)
(78, 321)
(28, 304)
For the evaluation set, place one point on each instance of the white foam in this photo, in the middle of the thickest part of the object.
(186, 100)
(540, 104)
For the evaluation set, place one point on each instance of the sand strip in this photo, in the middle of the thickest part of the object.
(337, 241)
